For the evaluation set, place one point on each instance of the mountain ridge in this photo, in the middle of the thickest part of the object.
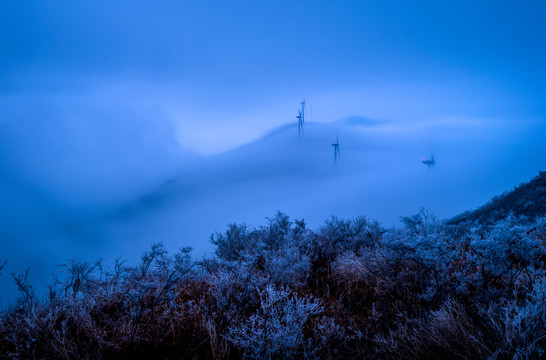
(527, 199)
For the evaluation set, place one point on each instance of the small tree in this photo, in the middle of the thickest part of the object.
(275, 330)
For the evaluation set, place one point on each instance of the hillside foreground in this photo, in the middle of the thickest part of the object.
(350, 289)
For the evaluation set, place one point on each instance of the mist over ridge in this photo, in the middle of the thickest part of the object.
(379, 174)
(180, 198)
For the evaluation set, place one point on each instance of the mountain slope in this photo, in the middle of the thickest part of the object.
(527, 199)
(379, 174)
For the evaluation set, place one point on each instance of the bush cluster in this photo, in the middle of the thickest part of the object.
(348, 290)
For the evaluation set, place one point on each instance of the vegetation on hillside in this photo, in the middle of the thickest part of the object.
(527, 199)
(348, 290)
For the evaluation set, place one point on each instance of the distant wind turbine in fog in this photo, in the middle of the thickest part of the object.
(430, 163)
(300, 122)
(336, 149)
(301, 117)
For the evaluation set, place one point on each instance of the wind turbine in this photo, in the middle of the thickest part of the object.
(302, 112)
(430, 163)
(336, 149)
(300, 122)
(301, 117)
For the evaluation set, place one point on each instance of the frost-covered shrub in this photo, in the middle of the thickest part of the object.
(92, 312)
(507, 247)
(379, 286)
(446, 333)
(286, 267)
(27, 294)
(539, 230)
(342, 235)
(352, 284)
(427, 290)
(236, 242)
(520, 327)
(277, 234)
(423, 236)
(275, 251)
(234, 287)
(276, 329)
(394, 283)
(282, 257)
(333, 239)
(498, 260)
(422, 224)
(429, 250)
(330, 335)
(350, 267)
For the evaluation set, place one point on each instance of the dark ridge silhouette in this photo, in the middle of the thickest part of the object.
(527, 199)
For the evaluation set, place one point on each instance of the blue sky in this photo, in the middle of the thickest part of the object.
(224, 73)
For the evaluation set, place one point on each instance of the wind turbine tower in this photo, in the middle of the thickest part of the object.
(302, 112)
(301, 117)
(300, 122)
(336, 150)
